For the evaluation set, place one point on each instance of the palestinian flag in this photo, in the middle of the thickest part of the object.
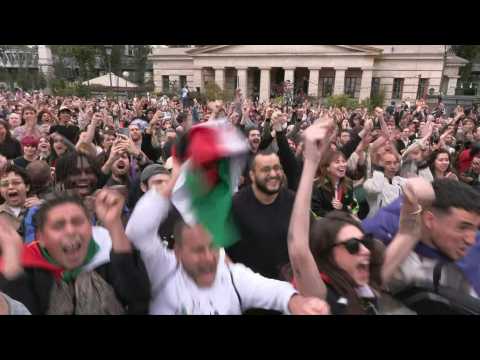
(214, 155)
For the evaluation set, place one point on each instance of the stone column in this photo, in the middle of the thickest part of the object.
(366, 83)
(242, 81)
(339, 87)
(158, 80)
(314, 78)
(220, 78)
(452, 84)
(265, 84)
(198, 79)
(289, 75)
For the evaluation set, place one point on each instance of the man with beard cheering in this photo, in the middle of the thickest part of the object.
(262, 213)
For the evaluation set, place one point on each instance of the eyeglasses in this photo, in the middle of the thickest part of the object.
(353, 245)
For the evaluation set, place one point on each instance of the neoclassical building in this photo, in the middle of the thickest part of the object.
(404, 72)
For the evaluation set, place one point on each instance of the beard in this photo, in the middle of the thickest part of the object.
(262, 185)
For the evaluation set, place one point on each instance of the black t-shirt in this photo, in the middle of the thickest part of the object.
(11, 149)
(263, 230)
(21, 162)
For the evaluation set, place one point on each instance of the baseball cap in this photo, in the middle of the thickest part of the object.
(152, 170)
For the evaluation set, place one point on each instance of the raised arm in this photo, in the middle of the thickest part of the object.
(108, 207)
(303, 264)
(418, 193)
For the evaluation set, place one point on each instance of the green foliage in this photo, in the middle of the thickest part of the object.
(201, 98)
(341, 101)
(23, 78)
(214, 92)
(60, 87)
(141, 58)
(83, 55)
(374, 101)
(278, 100)
(470, 53)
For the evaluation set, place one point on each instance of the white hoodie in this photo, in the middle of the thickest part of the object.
(236, 288)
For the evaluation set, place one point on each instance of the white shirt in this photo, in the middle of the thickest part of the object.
(380, 192)
(16, 210)
(175, 292)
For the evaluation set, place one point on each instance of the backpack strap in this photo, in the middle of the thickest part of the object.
(437, 275)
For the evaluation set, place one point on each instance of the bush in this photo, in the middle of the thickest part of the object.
(341, 101)
(213, 92)
(374, 101)
(62, 88)
(201, 98)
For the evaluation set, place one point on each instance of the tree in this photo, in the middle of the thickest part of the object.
(470, 53)
(141, 57)
(83, 55)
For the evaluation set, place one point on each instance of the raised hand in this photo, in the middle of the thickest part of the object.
(337, 205)
(109, 206)
(300, 305)
(317, 139)
(3, 163)
(11, 248)
(32, 201)
(418, 193)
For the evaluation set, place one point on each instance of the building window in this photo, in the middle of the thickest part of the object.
(397, 88)
(375, 89)
(183, 81)
(351, 84)
(327, 86)
(422, 88)
(129, 50)
(165, 83)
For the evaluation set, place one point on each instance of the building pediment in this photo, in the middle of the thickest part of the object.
(262, 50)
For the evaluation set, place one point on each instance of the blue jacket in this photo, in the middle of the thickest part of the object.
(384, 226)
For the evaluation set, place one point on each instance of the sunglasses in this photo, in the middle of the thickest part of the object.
(353, 245)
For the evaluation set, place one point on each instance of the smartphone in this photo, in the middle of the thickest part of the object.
(123, 133)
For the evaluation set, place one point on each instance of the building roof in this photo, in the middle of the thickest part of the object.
(208, 48)
(456, 60)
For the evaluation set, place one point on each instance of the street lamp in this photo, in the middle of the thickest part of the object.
(108, 51)
(125, 75)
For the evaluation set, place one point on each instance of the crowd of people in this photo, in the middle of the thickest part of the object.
(338, 211)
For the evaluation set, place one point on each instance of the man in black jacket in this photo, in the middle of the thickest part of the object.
(74, 267)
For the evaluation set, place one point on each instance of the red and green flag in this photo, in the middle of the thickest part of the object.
(215, 157)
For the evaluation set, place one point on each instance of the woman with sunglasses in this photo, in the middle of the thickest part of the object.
(335, 260)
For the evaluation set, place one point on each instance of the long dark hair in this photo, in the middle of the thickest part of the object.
(323, 235)
(322, 173)
(433, 157)
(6, 125)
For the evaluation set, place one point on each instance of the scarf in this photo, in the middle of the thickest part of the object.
(34, 256)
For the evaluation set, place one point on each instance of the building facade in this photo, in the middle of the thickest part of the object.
(39, 59)
(402, 72)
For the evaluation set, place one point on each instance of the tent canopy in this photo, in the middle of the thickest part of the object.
(117, 82)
